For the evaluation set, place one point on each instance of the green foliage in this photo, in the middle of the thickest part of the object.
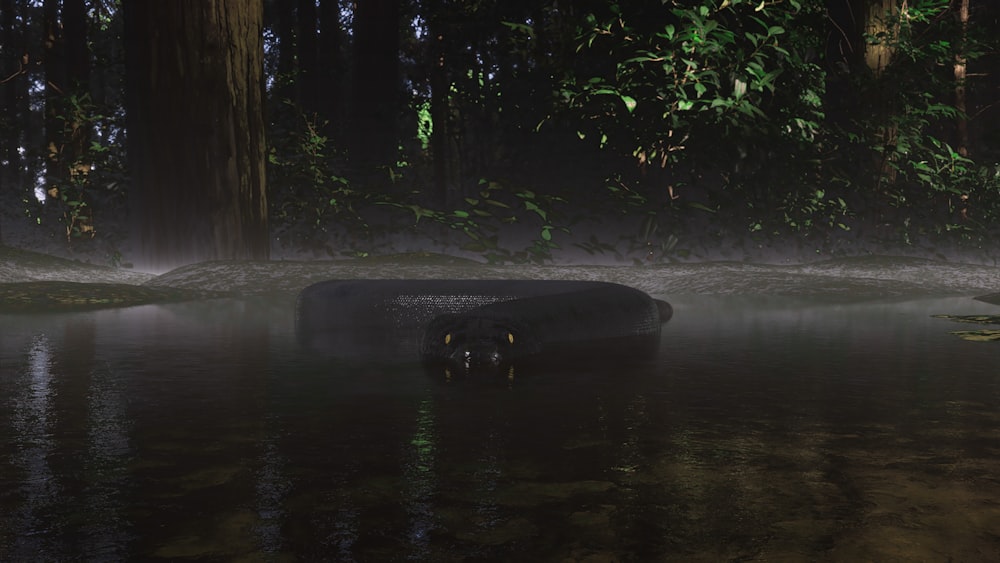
(306, 195)
(918, 181)
(709, 69)
(84, 169)
(731, 87)
(480, 217)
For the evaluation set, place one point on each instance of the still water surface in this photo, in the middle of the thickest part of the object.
(768, 428)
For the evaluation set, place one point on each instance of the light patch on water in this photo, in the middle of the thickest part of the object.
(33, 419)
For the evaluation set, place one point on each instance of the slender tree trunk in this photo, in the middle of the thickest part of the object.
(309, 71)
(54, 64)
(196, 130)
(441, 153)
(962, 125)
(882, 25)
(375, 96)
(76, 127)
(282, 16)
(11, 73)
(330, 62)
(74, 21)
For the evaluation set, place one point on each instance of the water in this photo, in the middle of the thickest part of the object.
(778, 428)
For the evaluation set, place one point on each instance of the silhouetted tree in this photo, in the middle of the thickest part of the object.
(376, 87)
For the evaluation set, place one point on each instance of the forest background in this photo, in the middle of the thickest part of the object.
(161, 133)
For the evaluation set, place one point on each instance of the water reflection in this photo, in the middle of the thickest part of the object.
(420, 480)
(765, 429)
(272, 488)
(108, 531)
(37, 490)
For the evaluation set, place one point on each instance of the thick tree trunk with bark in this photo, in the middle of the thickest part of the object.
(196, 130)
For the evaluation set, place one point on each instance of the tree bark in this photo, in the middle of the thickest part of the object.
(196, 130)
(882, 24)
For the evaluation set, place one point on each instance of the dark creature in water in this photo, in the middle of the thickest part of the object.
(476, 323)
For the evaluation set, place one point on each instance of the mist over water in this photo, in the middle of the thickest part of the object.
(792, 413)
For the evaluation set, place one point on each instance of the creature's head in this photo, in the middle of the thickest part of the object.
(475, 341)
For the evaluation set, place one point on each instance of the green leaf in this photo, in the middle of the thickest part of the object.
(630, 103)
(531, 206)
(701, 207)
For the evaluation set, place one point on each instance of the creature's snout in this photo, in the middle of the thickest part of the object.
(480, 353)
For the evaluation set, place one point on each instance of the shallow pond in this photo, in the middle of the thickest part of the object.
(767, 428)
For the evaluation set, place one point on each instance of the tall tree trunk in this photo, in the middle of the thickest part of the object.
(309, 71)
(882, 25)
(376, 82)
(12, 75)
(196, 130)
(962, 125)
(54, 64)
(76, 127)
(282, 18)
(445, 187)
(74, 21)
(330, 61)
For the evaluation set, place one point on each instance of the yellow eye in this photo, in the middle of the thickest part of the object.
(510, 337)
(447, 338)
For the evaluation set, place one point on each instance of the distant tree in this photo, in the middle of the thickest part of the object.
(376, 86)
(330, 65)
(12, 99)
(309, 71)
(196, 130)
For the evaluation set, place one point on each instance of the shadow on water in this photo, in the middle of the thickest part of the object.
(765, 428)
